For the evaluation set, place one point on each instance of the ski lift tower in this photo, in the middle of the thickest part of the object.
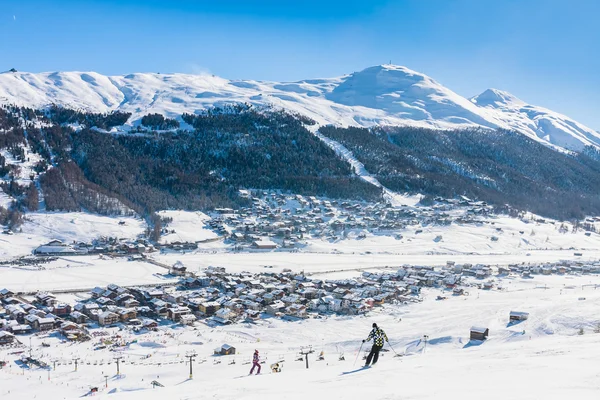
(305, 351)
(191, 356)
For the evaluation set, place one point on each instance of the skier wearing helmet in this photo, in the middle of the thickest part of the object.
(255, 363)
(378, 336)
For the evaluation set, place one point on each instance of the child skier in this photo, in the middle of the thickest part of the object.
(255, 363)
(378, 336)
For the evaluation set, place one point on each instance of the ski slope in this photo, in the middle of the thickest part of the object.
(541, 358)
(379, 95)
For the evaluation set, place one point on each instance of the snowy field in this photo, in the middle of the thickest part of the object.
(186, 226)
(495, 235)
(73, 273)
(40, 228)
(316, 263)
(541, 358)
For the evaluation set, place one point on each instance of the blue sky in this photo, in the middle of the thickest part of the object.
(546, 52)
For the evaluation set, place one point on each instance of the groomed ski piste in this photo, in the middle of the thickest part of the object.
(552, 355)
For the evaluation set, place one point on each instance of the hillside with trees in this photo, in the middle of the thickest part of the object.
(229, 149)
(500, 167)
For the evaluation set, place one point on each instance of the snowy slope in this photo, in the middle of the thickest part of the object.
(541, 358)
(380, 95)
(537, 122)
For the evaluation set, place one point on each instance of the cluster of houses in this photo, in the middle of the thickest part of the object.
(43, 313)
(560, 268)
(276, 220)
(219, 297)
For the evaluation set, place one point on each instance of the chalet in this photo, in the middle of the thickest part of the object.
(276, 307)
(176, 313)
(31, 320)
(126, 314)
(20, 329)
(108, 318)
(155, 293)
(131, 303)
(45, 324)
(224, 316)
(122, 298)
(89, 308)
(71, 330)
(225, 350)
(6, 338)
(291, 299)
(296, 310)
(61, 309)
(546, 271)
(479, 333)
(187, 319)
(515, 316)
(97, 292)
(178, 269)
(105, 301)
(149, 324)
(252, 315)
(68, 326)
(314, 305)
(78, 317)
(334, 305)
(16, 312)
(46, 299)
(11, 300)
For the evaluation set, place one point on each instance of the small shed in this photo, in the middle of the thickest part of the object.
(479, 333)
(518, 316)
(225, 350)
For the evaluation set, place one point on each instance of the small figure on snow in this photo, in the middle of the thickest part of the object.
(378, 336)
(275, 367)
(255, 363)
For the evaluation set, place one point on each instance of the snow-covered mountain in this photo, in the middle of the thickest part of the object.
(380, 95)
(546, 125)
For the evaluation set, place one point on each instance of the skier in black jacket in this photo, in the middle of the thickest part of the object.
(378, 336)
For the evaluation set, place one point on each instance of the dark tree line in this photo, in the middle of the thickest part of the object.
(159, 123)
(11, 217)
(106, 121)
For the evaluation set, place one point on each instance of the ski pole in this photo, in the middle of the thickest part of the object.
(389, 344)
(359, 350)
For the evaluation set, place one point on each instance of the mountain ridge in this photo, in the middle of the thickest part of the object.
(384, 95)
